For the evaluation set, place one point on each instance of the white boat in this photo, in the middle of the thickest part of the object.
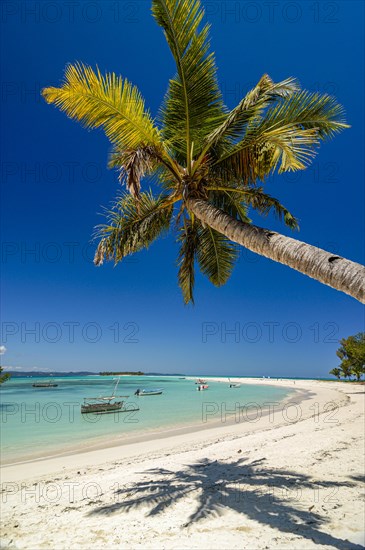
(202, 387)
(233, 384)
(141, 393)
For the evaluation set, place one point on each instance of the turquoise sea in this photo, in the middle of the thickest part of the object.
(39, 422)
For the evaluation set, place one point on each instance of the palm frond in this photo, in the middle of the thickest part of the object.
(250, 107)
(216, 255)
(193, 105)
(189, 242)
(231, 202)
(258, 200)
(133, 165)
(286, 138)
(308, 110)
(108, 102)
(256, 157)
(132, 225)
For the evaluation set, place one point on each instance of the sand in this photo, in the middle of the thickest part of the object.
(286, 478)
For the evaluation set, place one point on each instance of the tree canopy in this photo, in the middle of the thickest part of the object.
(352, 355)
(198, 150)
(3, 377)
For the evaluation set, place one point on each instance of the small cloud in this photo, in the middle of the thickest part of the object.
(2, 350)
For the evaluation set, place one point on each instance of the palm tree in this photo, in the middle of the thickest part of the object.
(210, 162)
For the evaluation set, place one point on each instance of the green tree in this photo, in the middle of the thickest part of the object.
(3, 377)
(358, 371)
(210, 162)
(352, 355)
(346, 369)
(336, 372)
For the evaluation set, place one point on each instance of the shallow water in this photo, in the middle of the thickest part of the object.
(46, 421)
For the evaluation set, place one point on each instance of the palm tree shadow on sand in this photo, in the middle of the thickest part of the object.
(268, 496)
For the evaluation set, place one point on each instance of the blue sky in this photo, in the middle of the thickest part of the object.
(58, 310)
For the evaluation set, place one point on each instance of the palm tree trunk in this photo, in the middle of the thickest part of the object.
(332, 270)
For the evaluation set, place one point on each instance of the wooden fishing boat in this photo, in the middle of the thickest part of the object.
(48, 384)
(105, 404)
(101, 405)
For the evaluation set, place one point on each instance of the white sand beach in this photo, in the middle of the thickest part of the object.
(290, 478)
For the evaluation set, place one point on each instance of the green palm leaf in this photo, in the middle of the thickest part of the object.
(256, 199)
(132, 225)
(106, 101)
(251, 106)
(229, 201)
(259, 155)
(216, 255)
(189, 241)
(193, 106)
(286, 137)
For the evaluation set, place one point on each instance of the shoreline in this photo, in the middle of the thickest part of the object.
(273, 483)
(147, 434)
(104, 450)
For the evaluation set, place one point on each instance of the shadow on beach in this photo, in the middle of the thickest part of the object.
(268, 496)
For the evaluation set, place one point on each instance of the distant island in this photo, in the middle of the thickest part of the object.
(58, 374)
(24, 373)
(126, 373)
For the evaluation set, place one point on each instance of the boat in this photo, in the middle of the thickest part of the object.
(101, 405)
(233, 384)
(200, 381)
(48, 384)
(105, 404)
(202, 387)
(140, 393)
